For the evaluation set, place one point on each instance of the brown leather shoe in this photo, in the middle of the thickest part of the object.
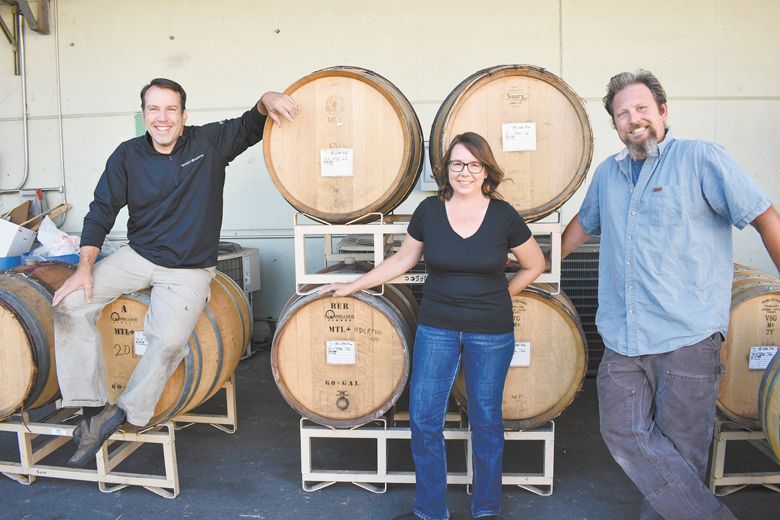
(93, 432)
(87, 413)
(77, 431)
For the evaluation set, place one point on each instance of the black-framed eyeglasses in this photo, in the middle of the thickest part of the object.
(473, 167)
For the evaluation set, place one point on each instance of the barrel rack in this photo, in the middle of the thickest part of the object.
(722, 483)
(385, 231)
(37, 440)
(316, 479)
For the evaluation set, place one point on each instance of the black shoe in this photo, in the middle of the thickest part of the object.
(92, 433)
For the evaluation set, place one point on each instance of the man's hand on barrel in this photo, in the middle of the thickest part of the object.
(276, 105)
(81, 279)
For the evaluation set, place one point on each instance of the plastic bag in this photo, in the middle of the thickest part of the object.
(55, 242)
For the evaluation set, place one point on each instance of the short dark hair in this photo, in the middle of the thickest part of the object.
(479, 148)
(625, 79)
(165, 83)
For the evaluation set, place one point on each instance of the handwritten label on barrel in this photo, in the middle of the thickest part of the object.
(522, 355)
(336, 162)
(760, 356)
(518, 137)
(340, 352)
(140, 343)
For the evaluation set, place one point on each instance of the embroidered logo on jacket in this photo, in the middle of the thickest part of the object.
(198, 158)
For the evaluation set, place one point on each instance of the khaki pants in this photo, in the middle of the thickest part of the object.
(178, 298)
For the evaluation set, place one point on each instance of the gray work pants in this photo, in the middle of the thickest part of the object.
(178, 298)
(657, 415)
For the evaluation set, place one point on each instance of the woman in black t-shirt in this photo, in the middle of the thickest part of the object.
(465, 316)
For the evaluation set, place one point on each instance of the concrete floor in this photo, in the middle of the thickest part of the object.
(255, 473)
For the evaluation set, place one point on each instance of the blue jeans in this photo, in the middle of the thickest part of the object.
(657, 414)
(437, 355)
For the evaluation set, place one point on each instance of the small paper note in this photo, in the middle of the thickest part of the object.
(760, 356)
(140, 343)
(336, 162)
(518, 137)
(341, 352)
(522, 355)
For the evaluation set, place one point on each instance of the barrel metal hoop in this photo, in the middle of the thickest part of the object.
(235, 303)
(37, 338)
(215, 326)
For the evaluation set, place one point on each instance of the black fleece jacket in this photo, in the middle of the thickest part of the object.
(174, 200)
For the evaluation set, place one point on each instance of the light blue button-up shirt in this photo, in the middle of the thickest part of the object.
(665, 263)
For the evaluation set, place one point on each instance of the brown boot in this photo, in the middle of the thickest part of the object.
(87, 413)
(93, 433)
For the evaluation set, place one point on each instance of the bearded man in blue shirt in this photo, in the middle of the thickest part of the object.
(664, 208)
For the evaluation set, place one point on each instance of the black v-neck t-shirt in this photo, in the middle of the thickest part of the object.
(466, 289)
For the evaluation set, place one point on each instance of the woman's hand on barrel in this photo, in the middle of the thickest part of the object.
(336, 289)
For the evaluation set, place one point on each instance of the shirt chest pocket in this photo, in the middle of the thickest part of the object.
(666, 206)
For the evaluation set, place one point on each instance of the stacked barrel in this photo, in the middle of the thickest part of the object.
(215, 346)
(356, 147)
(549, 366)
(537, 128)
(750, 387)
(28, 376)
(356, 150)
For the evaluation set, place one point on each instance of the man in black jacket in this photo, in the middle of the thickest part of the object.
(171, 179)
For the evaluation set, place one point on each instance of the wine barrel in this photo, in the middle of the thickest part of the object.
(753, 322)
(537, 128)
(344, 361)
(28, 374)
(769, 404)
(544, 382)
(215, 347)
(356, 146)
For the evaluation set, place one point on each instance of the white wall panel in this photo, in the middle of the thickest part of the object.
(746, 47)
(675, 40)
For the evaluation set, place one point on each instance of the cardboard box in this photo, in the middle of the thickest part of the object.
(15, 237)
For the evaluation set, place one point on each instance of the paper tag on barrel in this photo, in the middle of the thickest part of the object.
(522, 355)
(140, 343)
(336, 162)
(760, 356)
(341, 352)
(518, 137)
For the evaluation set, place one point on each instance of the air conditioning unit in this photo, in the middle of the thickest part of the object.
(243, 267)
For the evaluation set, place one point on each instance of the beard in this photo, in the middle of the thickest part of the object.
(644, 149)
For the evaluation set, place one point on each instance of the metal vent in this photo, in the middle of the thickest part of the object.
(580, 282)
